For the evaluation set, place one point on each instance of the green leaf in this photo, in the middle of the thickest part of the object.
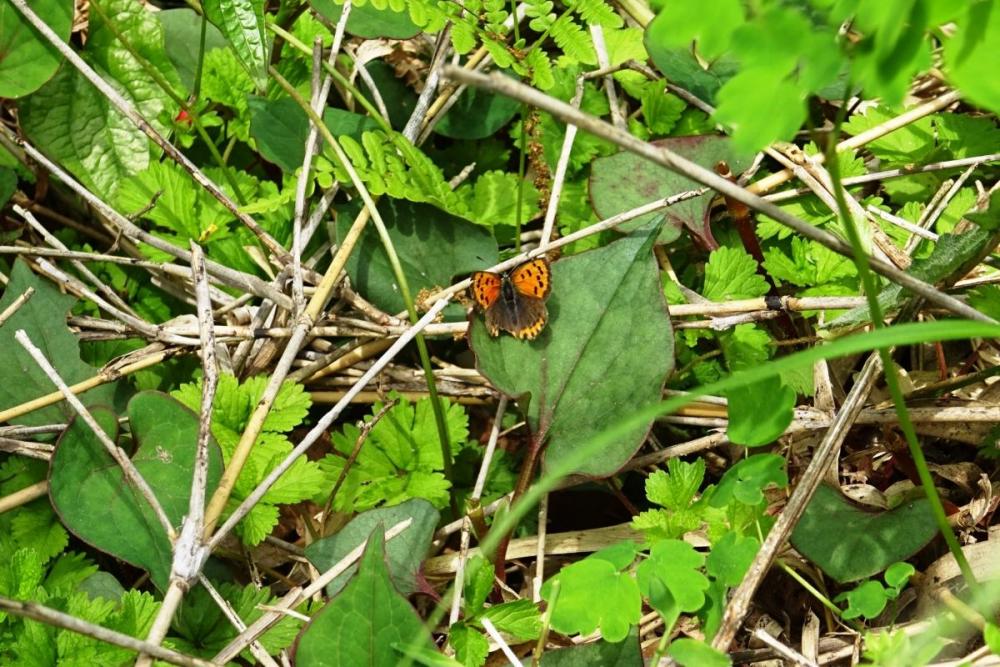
(404, 552)
(681, 22)
(970, 55)
(182, 39)
(241, 22)
(990, 218)
(43, 319)
(88, 490)
(477, 115)
(898, 574)
(675, 488)
(731, 273)
(76, 125)
(952, 258)
(863, 543)
(986, 299)
(280, 128)
(494, 197)
(401, 459)
(746, 481)
(368, 21)
(753, 118)
(601, 653)
(471, 647)
(760, 412)
(746, 346)
(912, 143)
(433, 248)
(676, 566)
(518, 618)
(361, 625)
(623, 311)
(991, 635)
(233, 406)
(623, 181)
(594, 594)
(693, 653)
(27, 60)
(868, 600)
(730, 557)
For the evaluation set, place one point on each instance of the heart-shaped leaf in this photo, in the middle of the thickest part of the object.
(88, 490)
(43, 319)
(365, 623)
(432, 245)
(405, 553)
(605, 352)
(623, 181)
(850, 543)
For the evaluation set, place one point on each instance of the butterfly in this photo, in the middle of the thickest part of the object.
(515, 301)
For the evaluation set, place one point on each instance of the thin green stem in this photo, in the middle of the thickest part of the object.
(888, 364)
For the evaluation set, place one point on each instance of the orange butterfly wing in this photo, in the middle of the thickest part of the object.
(485, 288)
(533, 278)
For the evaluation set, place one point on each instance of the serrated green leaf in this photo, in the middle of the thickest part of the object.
(745, 481)
(471, 647)
(676, 488)
(594, 594)
(731, 273)
(519, 618)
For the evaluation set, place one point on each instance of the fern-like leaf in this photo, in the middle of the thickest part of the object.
(596, 12)
(573, 40)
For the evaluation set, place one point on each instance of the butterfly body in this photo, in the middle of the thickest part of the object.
(515, 302)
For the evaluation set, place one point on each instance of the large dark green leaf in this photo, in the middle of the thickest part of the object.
(27, 60)
(623, 181)
(682, 68)
(433, 247)
(182, 38)
(43, 318)
(850, 543)
(364, 624)
(368, 21)
(605, 353)
(405, 552)
(280, 128)
(89, 492)
(477, 115)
